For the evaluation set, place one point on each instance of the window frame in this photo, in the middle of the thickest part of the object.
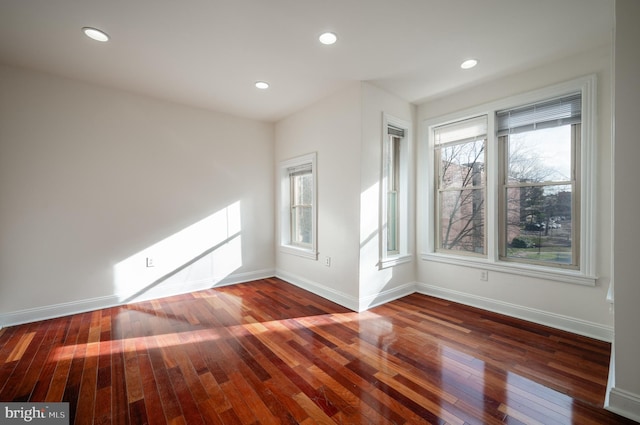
(289, 169)
(586, 274)
(296, 204)
(393, 188)
(401, 175)
(438, 190)
(574, 181)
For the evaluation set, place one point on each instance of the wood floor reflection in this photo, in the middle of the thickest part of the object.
(267, 352)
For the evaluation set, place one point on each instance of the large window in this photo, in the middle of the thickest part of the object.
(539, 200)
(394, 227)
(298, 206)
(460, 158)
(511, 185)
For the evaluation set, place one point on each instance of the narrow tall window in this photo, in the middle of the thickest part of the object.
(301, 182)
(298, 209)
(540, 175)
(460, 158)
(394, 195)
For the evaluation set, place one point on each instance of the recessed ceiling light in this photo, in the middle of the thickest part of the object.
(262, 85)
(328, 38)
(95, 34)
(469, 63)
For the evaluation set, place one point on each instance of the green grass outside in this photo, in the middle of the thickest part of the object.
(552, 254)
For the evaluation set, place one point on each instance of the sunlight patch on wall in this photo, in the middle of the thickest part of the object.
(196, 257)
(372, 280)
(369, 208)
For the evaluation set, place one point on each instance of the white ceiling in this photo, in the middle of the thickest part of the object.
(208, 53)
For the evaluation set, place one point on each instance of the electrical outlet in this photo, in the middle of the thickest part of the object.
(149, 262)
(484, 275)
(327, 261)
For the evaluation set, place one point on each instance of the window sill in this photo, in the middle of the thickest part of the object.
(394, 261)
(300, 252)
(538, 272)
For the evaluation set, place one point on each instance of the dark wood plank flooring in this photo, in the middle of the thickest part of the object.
(267, 352)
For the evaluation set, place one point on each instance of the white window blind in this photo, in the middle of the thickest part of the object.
(395, 131)
(300, 169)
(461, 131)
(561, 111)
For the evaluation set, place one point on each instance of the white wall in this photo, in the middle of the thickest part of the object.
(91, 179)
(345, 129)
(581, 309)
(379, 286)
(624, 396)
(332, 128)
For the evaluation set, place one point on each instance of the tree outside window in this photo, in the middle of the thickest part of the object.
(539, 195)
(513, 187)
(460, 154)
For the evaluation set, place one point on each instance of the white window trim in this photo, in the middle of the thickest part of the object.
(403, 255)
(586, 275)
(285, 203)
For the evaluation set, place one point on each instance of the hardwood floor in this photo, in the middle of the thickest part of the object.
(267, 352)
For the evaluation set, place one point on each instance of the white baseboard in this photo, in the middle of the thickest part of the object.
(617, 400)
(384, 297)
(57, 310)
(177, 287)
(624, 403)
(246, 277)
(331, 294)
(345, 300)
(81, 306)
(577, 326)
(570, 324)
